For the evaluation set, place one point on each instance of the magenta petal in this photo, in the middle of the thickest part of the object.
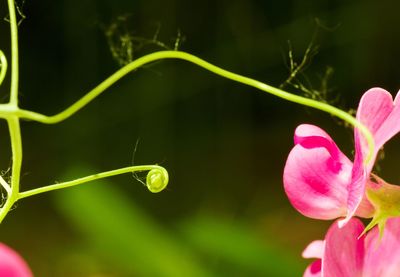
(314, 250)
(383, 257)
(381, 116)
(344, 252)
(356, 191)
(317, 174)
(373, 111)
(391, 126)
(11, 264)
(314, 269)
(310, 136)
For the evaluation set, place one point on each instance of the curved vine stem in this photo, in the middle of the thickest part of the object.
(157, 179)
(210, 67)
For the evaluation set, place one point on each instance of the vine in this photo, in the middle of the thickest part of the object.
(157, 177)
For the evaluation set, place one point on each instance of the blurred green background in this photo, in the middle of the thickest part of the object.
(224, 212)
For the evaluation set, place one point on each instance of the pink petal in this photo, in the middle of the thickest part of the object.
(314, 250)
(317, 174)
(11, 264)
(383, 257)
(381, 116)
(356, 191)
(311, 136)
(314, 269)
(383, 122)
(373, 111)
(344, 252)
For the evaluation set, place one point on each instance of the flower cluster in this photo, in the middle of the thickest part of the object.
(322, 183)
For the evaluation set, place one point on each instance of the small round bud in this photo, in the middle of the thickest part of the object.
(157, 180)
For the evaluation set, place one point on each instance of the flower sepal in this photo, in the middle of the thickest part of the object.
(385, 198)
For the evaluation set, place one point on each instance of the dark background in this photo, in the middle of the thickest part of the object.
(224, 144)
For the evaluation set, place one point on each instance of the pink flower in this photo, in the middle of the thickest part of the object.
(344, 254)
(11, 263)
(321, 182)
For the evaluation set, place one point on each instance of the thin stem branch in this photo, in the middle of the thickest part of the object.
(16, 147)
(97, 176)
(14, 54)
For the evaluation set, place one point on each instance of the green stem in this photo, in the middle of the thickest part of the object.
(154, 170)
(16, 147)
(14, 54)
(210, 67)
(12, 118)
